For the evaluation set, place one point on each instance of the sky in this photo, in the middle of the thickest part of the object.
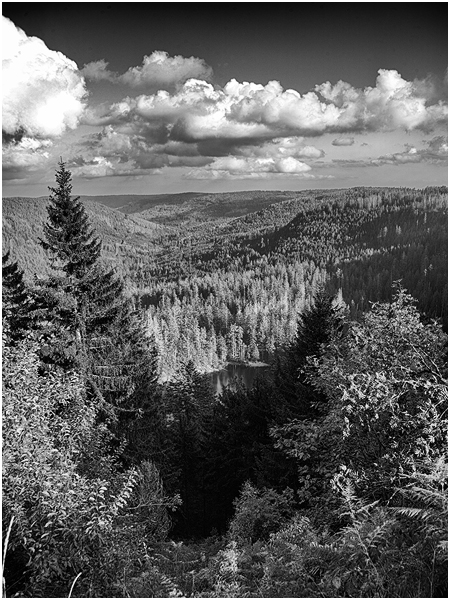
(162, 97)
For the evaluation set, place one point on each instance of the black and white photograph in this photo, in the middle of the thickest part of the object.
(224, 299)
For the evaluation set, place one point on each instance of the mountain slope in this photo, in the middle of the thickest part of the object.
(24, 218)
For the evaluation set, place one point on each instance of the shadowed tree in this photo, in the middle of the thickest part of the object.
(317, 326)
(16, 300)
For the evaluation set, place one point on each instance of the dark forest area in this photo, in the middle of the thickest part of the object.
(127, 475)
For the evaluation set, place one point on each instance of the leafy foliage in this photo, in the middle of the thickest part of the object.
(388, 391)
(73, 510)
(372, 556)
(385, 390)
(259, 513)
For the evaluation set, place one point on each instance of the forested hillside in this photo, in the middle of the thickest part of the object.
(241, 284)
(23, 221)
(218, 286)
(126, 475)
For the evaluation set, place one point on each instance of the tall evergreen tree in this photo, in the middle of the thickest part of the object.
(189, 402)
(111, 348)
(69, 239)
(316, 326)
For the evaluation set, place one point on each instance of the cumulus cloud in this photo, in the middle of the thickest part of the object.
(261, 165)
(44, 96)
(434, 152)
(24, 156)
(97, 70)
(280, 148)
(256, 122)
(158, 70)
(343, 141)
(251, 168)
(147, 149)
(393, 103)
(174, 116)
(94, 167)
(438, 147)
(248, 111)
(43, 91)
(98, 166)
(113, 152)
(163, 70)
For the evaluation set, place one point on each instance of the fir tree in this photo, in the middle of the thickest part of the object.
(69, 240)
(316, 326)
(111, 348)
(16, 300)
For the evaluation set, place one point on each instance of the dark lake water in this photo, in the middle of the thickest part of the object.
(228, 377)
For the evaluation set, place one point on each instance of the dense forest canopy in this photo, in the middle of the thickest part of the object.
(220, 286)
(126, 475)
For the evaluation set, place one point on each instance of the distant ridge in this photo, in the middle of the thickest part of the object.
(133, 203)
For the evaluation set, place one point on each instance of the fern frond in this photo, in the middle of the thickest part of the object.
(429, 497)
(414, 513)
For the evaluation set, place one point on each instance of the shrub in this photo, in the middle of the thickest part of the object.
(259, 513)
(73, 513)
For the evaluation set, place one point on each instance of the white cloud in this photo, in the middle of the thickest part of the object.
(243, 130)
(99, 166)
(114, 152)
(158, 70)
(343, 141)
(261, 165)
(43, 91)
(97, 70)
(434, 152)
(281, 148)
(244, 123)
(438, 147)
(28, 154)
(393, 103)
(251, 168)
(199, 111)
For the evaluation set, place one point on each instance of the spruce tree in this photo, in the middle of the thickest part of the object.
(317, 326)
(111, 347)
(69, 240)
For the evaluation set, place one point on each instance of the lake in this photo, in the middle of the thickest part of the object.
(235, 372)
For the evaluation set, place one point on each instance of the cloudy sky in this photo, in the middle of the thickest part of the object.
(171, 97)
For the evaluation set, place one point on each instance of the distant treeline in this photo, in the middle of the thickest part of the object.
(218, 286)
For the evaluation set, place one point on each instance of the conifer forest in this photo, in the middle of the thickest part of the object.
(128, 474)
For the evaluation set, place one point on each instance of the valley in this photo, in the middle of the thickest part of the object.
(222, 277)
(238, 349)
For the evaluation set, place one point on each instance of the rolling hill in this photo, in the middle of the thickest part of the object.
(363, 238)
(122, 235)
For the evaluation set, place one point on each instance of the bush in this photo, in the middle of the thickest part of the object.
(380, 553)
(73, 513)
(259, 513)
